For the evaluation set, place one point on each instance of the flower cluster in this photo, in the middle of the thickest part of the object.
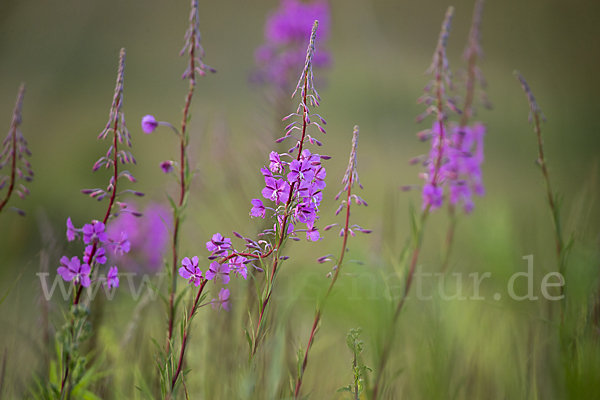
(95, 237)
(286, 31)
(297, 184)
(225, 260)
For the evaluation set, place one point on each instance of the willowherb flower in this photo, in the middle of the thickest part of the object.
(94, 232)
(72, 233)
(167, 166)
(258, 208)
(218, 244)
(238, 265)
(222, 301)
(190, 270)
(112, 278)
(286, 31)
(217, 272)
(438, 102)
(14, 151)
(149, 124)
(295, 186)
(463, 168)
(98, 257)
(73, 270)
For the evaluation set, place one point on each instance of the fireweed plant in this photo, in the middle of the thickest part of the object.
(554, 199)
(454, 161)
(14, 151)
(350, 178)
(82, 273)
(169, 364)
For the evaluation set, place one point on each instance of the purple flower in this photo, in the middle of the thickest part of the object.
(286, 35)
(71, 231)
(112, 279)
(276, 190)
(73, 270)
(147, 236)
(94, 231)
(222, 301)
(218, 244)
(301, 170)
(167, 166)
(149, 124)
(258, 209)
(218, 271)
(99, 256)
(239, 267)
(190, 270)
(432, 196)
(276, 165)
(312, 233)
(123, 245)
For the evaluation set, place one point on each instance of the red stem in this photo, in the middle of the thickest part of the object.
(182, 192)
(319, 311)
(185, 335)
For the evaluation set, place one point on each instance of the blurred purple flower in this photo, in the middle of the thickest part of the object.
(146, 236)
(287, 32)
(112, 279)
(149, 124)
(73, 270)
(218, 271)
(238, 266)
(190, 270)
(71, 231)
(167, 166)
(222, 301)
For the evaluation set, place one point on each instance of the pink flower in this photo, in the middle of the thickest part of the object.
(222, 301)
(149, 124)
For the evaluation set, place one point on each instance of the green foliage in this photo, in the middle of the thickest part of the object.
(359, 370)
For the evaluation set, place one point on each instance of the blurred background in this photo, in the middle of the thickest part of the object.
(67, 54)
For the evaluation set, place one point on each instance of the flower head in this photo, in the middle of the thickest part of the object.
(112, 278)
(222, 301)
(190, 270)
(258, 209)
(71, 231)
(99, 256)
(167, 166)
(149, 124)
(238, 265)
(94, 232)
(217, 272)
(218, 244)
(73, 270)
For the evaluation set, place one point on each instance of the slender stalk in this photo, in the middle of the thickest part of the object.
(388, 343)
(186, 335)
(537, 115)
(319, 311)
(284, 224)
